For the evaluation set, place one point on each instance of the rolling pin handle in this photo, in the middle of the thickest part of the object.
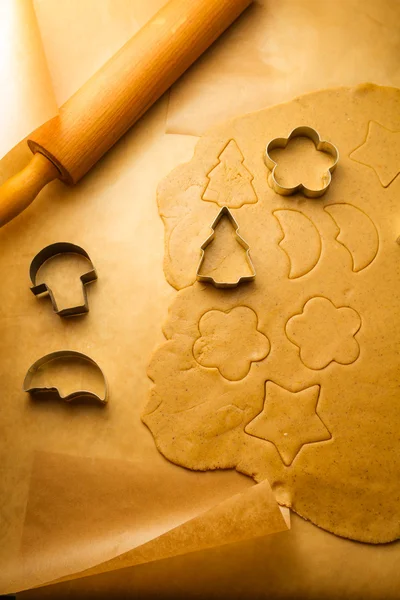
(17, 193)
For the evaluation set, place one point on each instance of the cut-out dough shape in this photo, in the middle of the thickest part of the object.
(58, 366)
(301, 241)
(325, 333)
(223, 262)
(289, 420)
(230, 342)
(380, 152)
(230, 182)
(356, 232)
(325, 149)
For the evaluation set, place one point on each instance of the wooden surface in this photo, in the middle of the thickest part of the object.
(117, 95)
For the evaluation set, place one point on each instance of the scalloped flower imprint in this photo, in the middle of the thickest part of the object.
(325, 333)
(230, 342)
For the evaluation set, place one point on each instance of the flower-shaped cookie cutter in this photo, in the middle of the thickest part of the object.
(225, 212)
(321, 145)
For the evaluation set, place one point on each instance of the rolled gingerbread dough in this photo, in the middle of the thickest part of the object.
(294, 377)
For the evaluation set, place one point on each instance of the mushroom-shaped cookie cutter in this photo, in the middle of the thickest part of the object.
(320, 145)
(43, 288)
(225, 284)
(35, 390)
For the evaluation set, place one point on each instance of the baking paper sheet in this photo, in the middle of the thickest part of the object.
(49, 49)
(274, 52)
(305, 562)
(278, 50)
(27, 99)
(113, 215)
(83, 512)
(79, 36)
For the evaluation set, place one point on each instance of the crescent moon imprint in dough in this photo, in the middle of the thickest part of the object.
(356, 232)
(301, 241)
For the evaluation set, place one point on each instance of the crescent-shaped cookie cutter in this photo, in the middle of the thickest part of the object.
(321, 145)
(41, 391)
(42, 288)
(225, 284)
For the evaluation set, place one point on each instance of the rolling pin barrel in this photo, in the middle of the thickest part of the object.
(92, 120)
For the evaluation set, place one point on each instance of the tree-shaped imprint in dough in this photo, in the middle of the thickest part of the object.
(230, 182)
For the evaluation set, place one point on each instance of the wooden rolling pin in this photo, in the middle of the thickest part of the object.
(94, 118)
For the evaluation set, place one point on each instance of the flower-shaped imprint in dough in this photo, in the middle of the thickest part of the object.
(325, 333)
(230, 342)
(316, 184)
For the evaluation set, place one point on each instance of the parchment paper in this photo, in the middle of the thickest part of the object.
(100, 509)
(27, 99)
(119, 228)
(30, 329)
(78, 36)
(49, 49)
(305, 562)
(278, 50)
(112, 213)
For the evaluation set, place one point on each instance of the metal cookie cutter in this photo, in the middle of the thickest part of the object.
(37, 390)
(320, 145)
(42, 288)
(221, 284)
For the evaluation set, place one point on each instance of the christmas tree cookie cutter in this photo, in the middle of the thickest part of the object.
(42, 288)
(321, 145)
(225, 212)
(35, 390)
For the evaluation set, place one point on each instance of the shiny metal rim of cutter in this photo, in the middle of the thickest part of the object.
(41, 391)
(221, 284)
(42, 288)
(321, 145)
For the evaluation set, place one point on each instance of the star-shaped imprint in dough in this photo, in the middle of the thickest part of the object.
(381, 152)
(289, 420)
